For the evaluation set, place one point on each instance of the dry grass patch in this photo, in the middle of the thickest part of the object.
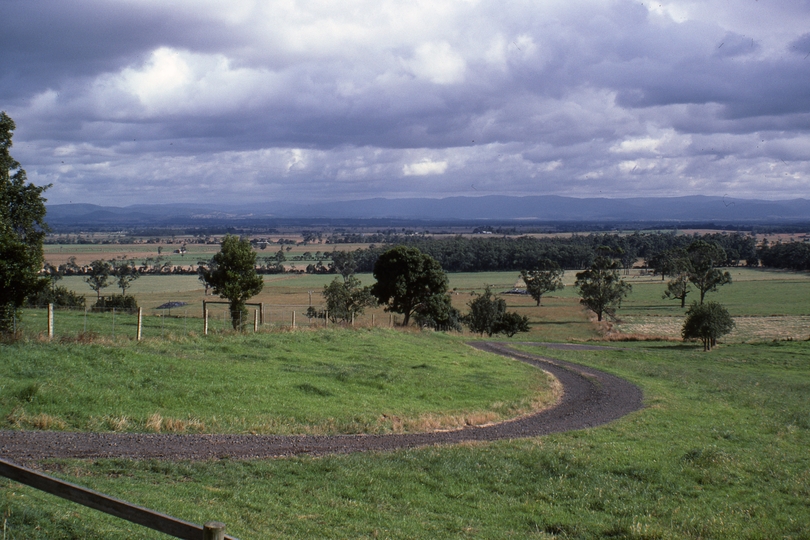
(157, 423)
(19, 418)
(748, 328)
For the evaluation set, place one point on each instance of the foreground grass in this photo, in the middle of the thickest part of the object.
(718, 452)
(330, 381)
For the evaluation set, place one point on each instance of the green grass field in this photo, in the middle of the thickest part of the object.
(325, 382)
(719, 451)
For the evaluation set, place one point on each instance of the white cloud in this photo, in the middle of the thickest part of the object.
(424, 168)
(438, 63)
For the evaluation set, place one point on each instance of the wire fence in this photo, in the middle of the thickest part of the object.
(118, 323)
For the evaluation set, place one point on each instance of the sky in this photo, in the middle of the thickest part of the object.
(122, 102)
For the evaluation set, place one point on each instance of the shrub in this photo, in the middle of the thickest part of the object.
(707, 322)
(58, 296)
(116, 301)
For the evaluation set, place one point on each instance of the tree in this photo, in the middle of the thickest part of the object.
(678, 288)
(601, 288)
(202, 268)
(233, 276)
(438, 313)
(678, 265)
(511, 323)
(22, 231)
(125, 273)
(668, 262)
(546, 277)
(98, 277)
(707, 322)
(346, 298)
(488, 315)
(703, 258)
(485, 311)
(344, 263)
(406, 278)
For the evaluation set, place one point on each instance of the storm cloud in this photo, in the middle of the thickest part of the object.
(200, 101)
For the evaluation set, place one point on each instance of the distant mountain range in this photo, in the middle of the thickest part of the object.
(452, 209)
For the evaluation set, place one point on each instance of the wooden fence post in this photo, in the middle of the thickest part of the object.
(50, 321)
(372, 320)
(214, 530)
(205, 322)
(139, 332)
(293, 319)
(261, 313)
(255, 320)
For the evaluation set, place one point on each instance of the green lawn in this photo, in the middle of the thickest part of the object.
(719, 451)
(329, 381)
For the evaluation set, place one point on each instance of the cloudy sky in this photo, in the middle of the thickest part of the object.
(143, 101)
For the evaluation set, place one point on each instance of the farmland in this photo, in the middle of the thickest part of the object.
(719, 451)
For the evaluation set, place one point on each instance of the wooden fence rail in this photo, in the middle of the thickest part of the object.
(136, 514)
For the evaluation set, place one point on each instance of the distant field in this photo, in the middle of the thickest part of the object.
(768, 304)
(57, 254)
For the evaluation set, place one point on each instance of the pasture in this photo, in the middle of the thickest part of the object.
(719, 451)
(325, 382)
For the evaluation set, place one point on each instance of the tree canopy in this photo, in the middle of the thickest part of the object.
(703, 274)
(232, 275)
(600, 287)
(707, 322)
(488, 316)
(99, 276)
(22, 231)
(545, 277)
(346, 298)
(407, 278)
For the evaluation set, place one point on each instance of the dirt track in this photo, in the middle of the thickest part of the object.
(591, 398)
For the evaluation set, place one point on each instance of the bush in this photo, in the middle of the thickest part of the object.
(58, 296)
(116, 301)
(488, 315)
(707, 322)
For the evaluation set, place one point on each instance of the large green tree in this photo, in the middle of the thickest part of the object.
(233, 276)
(407, 278)
(22, 231)
(545, 277)
(600, 287)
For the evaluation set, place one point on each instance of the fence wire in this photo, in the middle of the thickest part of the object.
(117, 323)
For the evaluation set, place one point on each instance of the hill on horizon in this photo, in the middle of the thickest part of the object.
(550, 208)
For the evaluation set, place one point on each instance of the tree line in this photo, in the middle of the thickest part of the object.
(576, 252)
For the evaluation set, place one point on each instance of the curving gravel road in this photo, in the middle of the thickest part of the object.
(591, 398)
